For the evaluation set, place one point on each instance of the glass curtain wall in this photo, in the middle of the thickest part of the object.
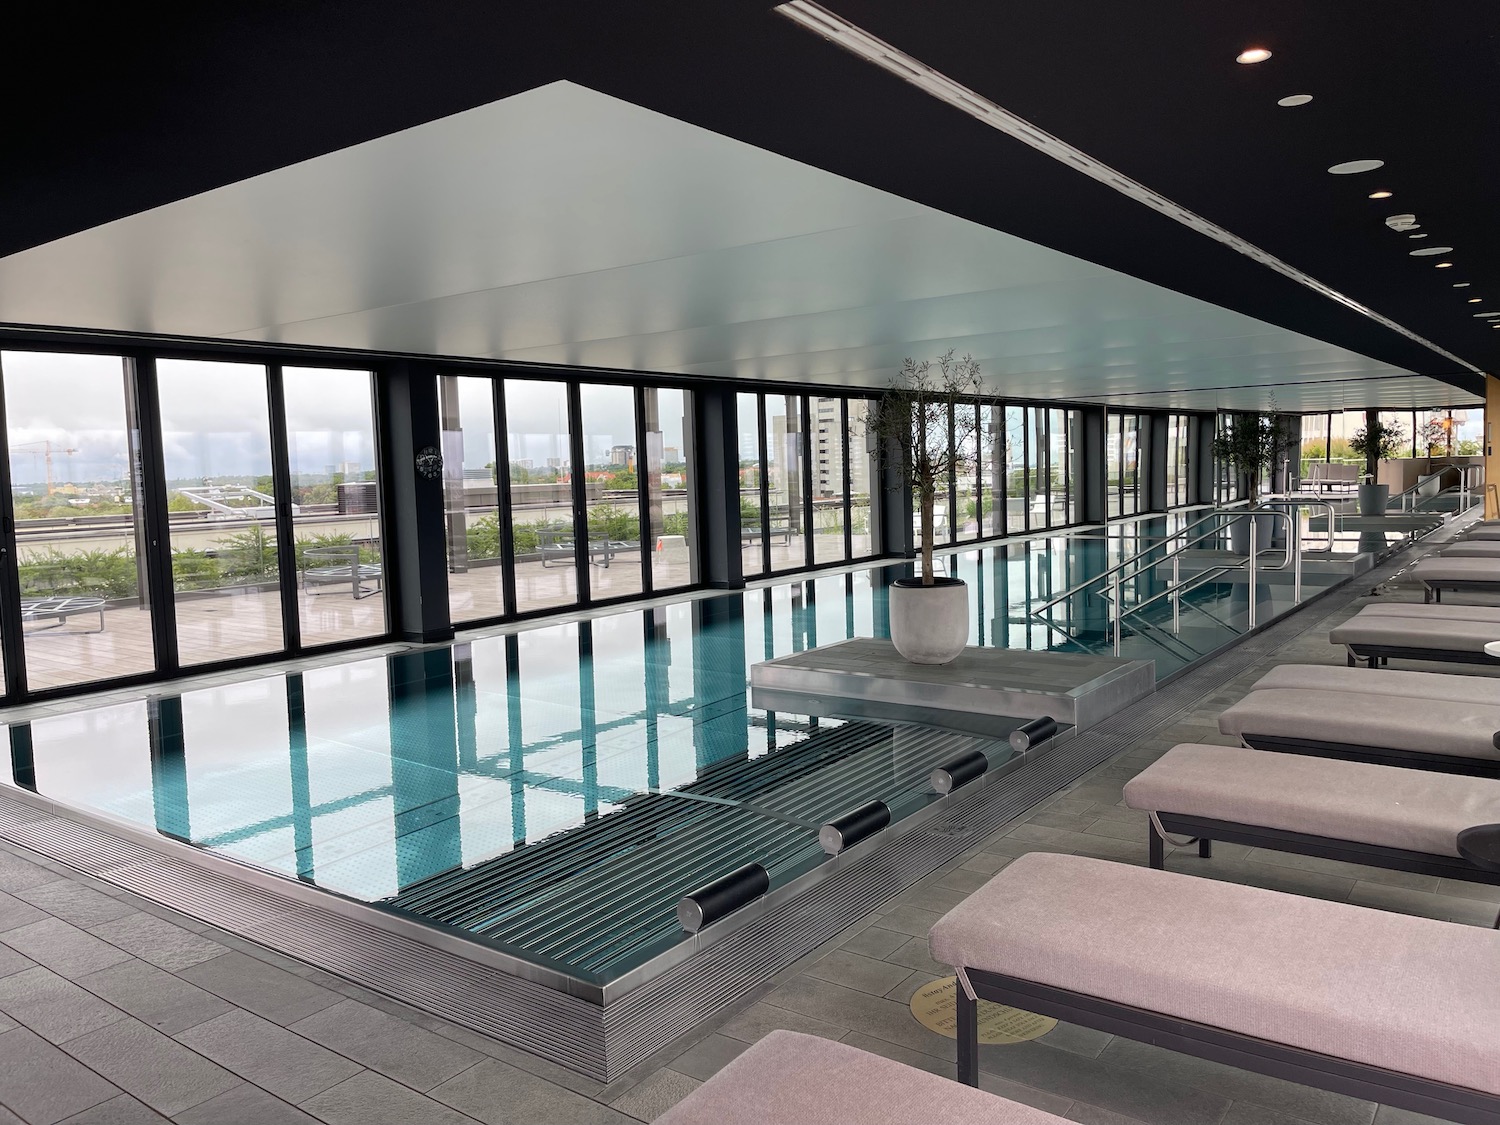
(752, 485)
(78, 515)
(828, 473)
(1122, 438)
(1017, 475)
(1177, 460)
(992, 469)
(543, 549)
(216, 440)
(968, 492)
(668, 459)
(862, 477)
(786, 526)
(612, 487)
(330, 430)
(471, 497)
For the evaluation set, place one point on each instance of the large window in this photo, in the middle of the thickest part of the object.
(612, 489)
(78, 515)
(784, 469)
(752, 485)
(330, 430)
(1177, 460)
(544, 540)
(226, 563)
(669, 493)
(471, 497)
(830, 488)
(1122, 456)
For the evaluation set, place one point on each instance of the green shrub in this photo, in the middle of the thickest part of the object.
(247, 556)
(483, 537)
(54, 573)
(194, 570)
(610, 522)
(674, 523)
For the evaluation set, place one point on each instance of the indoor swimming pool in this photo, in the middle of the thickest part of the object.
(555, 790)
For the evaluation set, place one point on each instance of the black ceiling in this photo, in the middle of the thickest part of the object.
(149, 104)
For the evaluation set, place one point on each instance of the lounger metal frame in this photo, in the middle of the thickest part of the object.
(1295, 1064)
(1376, 656)
(1376, 755)
(1432, 589)
(1207, 830)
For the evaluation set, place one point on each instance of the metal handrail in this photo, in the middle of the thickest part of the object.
(1233, 513)
(1310, 502)
(1292, 555)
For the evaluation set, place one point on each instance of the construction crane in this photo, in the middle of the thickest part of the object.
(46, 454)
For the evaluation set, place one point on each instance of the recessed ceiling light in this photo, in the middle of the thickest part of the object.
(1443, 266)
(1475, 300)
(1489, 314)
(1428, 251)
(1295, 99)
(1350, 167)
(1461, 284)
(1380, 195)
(1253, 55)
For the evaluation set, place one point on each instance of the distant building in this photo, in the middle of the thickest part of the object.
(622, 455)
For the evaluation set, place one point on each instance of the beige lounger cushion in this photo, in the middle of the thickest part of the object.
(1487, 530)
(792, 1079)
(1324, 976)
(1383, 805)
(1451, 634)
(1412, 685)
(1431, 611)
(1443, 569)
(1397, 722)
(1473, 548)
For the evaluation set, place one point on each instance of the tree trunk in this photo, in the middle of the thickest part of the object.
(928, 498)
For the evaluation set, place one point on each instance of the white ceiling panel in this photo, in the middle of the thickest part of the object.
(563, 226)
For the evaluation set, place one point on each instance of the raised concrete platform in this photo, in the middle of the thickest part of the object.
(987, 691)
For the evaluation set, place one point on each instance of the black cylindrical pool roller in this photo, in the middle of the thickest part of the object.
(1027, 735)
(712, 901)
(950, 775)
(849, 829)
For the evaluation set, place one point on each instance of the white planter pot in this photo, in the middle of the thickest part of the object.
(929, 624)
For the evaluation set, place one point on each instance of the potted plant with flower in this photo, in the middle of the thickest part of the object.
(1375, 441)
(915, 426)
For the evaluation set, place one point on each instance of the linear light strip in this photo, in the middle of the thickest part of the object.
(859, 42)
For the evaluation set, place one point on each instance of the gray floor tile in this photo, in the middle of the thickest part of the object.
(9, 1118)
(965, 881)
(497, 1094)
(123, 1110)
(655, 1095)
(155, 1068)
(276, 994)
(1087, 1114)
(13, 962)
(903, 992)
(373, 1099)
(858, 1011)
(244, 1105)
(914, 955)
(944, 1067)
(1389, 1115)
(74, 902)
(53, 1007)
(759, 1020)
(1409, 879)
(1080, 1040)
(155, 997)
(268, 1055)
(17, 874)
(1275, 1094)
(42, 1084)
(1132, 832)
(707, 1057)
(16, 912)
(1459, 888)
(1247, 1113)
(411, 1055)
(936, 900)
(986, 863)
(875, 941)
(64, 949)
(158, 941)
(1098, 1083)
(854, 971)
(908, 920)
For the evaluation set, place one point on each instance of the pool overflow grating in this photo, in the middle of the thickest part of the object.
(427, 970)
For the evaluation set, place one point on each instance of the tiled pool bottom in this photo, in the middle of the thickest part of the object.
(551, 793)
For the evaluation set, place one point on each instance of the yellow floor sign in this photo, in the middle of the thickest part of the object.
(936, 1007)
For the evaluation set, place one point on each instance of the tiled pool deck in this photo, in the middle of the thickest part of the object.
(115, 1010)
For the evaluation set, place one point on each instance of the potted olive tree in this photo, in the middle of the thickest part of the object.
(1375, 441)
(915, 426)
(1250, 446)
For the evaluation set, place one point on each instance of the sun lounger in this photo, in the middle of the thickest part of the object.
(1458, 574)
(1488, 529)
(1471, 549)
(790, 1078)
(1298, 988)
(1388, 723)
(1377, 815)
(1419, 631)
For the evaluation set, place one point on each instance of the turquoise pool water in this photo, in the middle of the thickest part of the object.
(556, 790)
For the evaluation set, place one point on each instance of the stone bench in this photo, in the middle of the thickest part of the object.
(1392, 1008)
(788, 1077)
(1405, 820)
